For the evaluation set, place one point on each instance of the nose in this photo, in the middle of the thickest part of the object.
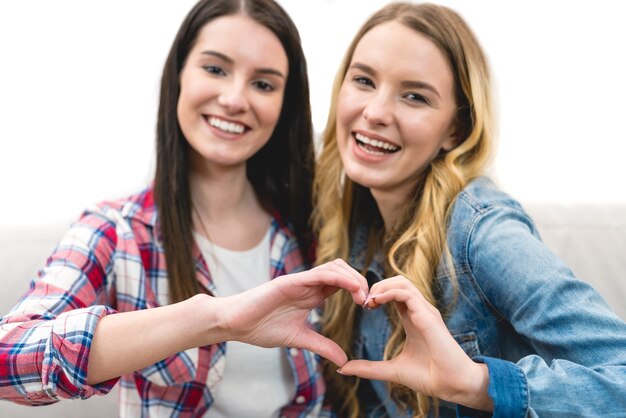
(379, 110)
(233, 98)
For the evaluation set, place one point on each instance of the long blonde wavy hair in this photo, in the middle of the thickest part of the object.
(416, 245)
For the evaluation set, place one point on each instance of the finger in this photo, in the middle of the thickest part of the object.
(414, 298)
(334, 275)
(414, 308)
(340, 265)
(370, 303)
(411, 298)
(360, 297)
(329, 290)
(327, 348)
(376, 300)
(354, 273)
(396, 282)
(397, 295)
(377, 370)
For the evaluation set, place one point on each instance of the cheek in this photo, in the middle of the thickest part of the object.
(269, 111)
(182, 111)
(345, 106)
(344, 157)
(187, 100)
(420, 130)
(341, 134)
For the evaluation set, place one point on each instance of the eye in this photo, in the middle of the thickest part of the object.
(417, 98)
(363, 81)
(263, 85)
(214, 69)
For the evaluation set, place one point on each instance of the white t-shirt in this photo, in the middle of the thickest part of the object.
(257, 381)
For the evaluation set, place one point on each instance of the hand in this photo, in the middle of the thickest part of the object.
(431, 362)
(275, 313)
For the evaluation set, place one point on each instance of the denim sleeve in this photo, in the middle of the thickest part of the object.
(507, 387)
(578, 367)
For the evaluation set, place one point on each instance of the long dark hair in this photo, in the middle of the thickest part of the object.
(281, 172)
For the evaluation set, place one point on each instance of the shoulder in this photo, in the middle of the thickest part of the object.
(139, 206)
(133, 215)
(482, 210)
(136, 207)
(482, 198)
(483, 194)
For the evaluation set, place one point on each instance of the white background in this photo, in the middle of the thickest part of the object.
(79, 89)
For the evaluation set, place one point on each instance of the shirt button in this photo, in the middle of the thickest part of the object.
(300, 399)
(293, 352)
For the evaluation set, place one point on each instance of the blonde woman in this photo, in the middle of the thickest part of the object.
(476, 314)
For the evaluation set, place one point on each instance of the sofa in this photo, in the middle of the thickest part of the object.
(591, 239)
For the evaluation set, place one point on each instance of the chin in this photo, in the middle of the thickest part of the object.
(363, 179)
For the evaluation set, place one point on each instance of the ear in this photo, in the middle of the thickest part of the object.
(451, 140)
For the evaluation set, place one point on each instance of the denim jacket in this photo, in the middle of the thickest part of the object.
(552, 345)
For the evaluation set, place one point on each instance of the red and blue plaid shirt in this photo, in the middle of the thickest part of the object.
(111, 260)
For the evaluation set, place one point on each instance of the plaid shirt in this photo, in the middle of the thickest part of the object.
(111, 260)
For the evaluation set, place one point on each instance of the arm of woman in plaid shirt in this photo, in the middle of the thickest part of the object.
(273, 314)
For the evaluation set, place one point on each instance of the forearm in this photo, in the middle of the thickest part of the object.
(270, 315)
(130, 341)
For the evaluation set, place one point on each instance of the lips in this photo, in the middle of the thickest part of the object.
(226, 126)
(374, 146)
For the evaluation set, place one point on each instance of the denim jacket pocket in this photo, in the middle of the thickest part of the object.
(468, 342)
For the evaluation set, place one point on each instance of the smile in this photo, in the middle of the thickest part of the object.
(223, 125)
(374, 146)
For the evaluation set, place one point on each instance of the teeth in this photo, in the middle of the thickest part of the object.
(230, 127)
(375, 143)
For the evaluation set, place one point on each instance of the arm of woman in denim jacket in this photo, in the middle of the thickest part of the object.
(580, 366)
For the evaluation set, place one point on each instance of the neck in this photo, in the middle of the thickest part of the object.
(219, 193)
(390, 206)
(226, 208)
(392, 202)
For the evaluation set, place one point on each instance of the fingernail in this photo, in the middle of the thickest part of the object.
(363, 295)
(340, 372)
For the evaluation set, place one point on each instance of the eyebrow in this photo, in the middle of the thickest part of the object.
(229, 60)
(406, 83)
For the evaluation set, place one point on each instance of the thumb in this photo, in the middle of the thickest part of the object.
(373, 370)
(312, 341)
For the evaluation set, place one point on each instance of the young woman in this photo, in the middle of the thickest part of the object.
(152, 286)
(484, 316)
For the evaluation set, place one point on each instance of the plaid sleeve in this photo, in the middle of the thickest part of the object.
(45, 339)
(327, 412)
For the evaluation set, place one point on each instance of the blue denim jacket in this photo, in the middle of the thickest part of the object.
(552, 345)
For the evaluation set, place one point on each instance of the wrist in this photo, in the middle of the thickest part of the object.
(206, 320)
(474, 394)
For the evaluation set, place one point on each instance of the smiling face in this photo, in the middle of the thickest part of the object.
(395, 110)
(231, 91)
